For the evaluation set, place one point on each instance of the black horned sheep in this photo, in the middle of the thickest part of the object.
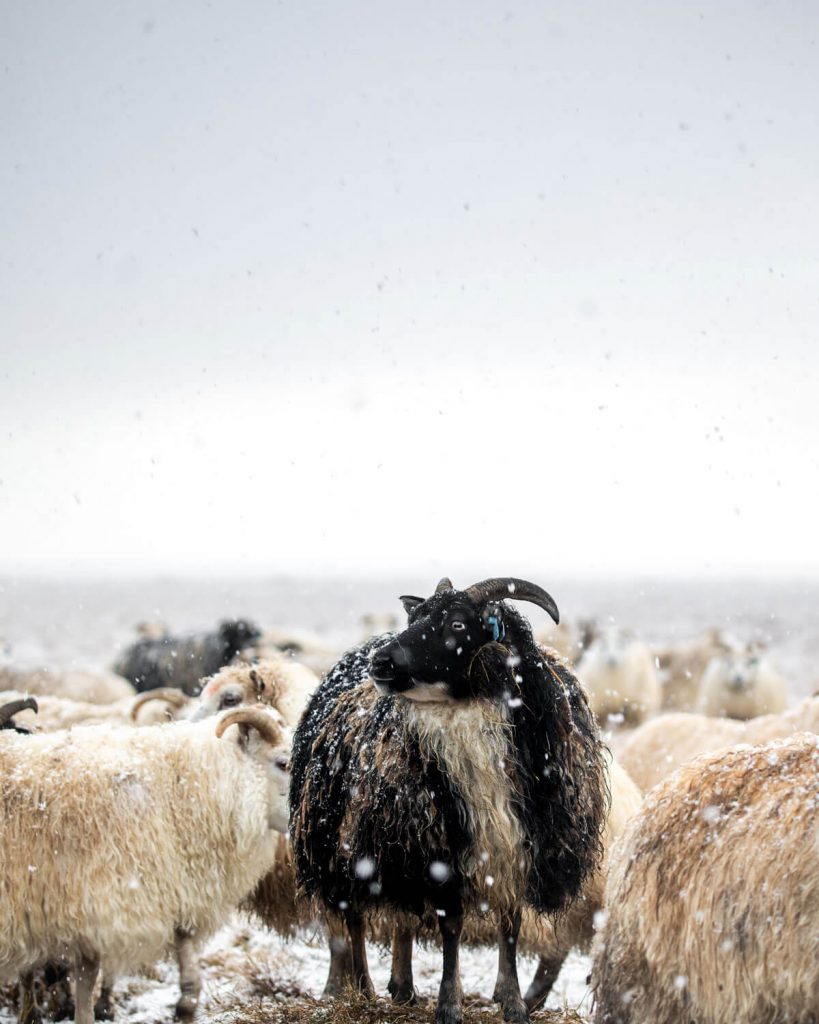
(451, 768)
(182, 662)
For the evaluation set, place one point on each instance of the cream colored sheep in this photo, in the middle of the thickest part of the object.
(278, 681)
(713, 898)
(108, 841)
(660, 746)
(72, 683)
(560, 638)
(620, 678)
(681, 667)
(742, 685)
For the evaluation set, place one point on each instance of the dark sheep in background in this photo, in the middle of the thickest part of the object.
(182, 662)
(468, 778)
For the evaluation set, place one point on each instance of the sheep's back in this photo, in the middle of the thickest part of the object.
(111, 838)
(713, 902)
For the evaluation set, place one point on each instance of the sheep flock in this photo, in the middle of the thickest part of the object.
(464, 807)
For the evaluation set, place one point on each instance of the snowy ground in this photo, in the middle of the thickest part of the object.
(251, 969)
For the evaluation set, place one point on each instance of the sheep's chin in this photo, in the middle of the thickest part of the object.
(429, 693)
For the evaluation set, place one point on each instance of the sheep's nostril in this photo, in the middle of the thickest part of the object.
(399, 657)
(381, 666)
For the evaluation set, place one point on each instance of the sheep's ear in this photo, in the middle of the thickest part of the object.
(259, 685)
(410, 603)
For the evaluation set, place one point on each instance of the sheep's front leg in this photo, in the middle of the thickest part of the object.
(58, 989)
(450, 994)
(87, 969)
(548, 969)
(341, 960)
(361, 973)
(507, 987)
(190, 981)
(104, 1006)
(30, 1011)
(401, 986)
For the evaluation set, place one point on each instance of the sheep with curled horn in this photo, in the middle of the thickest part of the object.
(124, 827)
(450, 768)
(277, 681)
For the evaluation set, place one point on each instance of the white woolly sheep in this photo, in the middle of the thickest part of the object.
(110, 841)
(742, 685)
(713, 897)
(281, 683)
(660, 746)
(681, 667)
(278, 680)
(619, 675)
(72, 683)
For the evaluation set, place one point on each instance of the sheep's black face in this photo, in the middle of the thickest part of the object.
(238, 634)
(432, 658)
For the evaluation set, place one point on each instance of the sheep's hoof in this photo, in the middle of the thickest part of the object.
(64, 1009)
(514, 1007)
(516, 1013)
(364, 986)
(186, 1007)
(448, 1013)
(535, 997)
(30, 1013)
(103, 1009)
(403, 993)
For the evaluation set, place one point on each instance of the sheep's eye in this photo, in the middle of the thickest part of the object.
(457, 625)
(230, 700)
(282, 762)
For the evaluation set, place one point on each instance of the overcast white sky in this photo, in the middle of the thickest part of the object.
(377, 286)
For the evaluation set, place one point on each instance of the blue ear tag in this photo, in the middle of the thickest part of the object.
(498, 633)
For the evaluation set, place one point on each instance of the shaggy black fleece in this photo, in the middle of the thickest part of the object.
(371, 814)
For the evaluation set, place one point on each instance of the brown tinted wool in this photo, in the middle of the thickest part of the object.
(713, 898)
(660, 746)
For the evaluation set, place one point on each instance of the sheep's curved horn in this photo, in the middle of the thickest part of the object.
(8, 711)
(176, 698)
(259, 718)
(509, 588)
(445, 583)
